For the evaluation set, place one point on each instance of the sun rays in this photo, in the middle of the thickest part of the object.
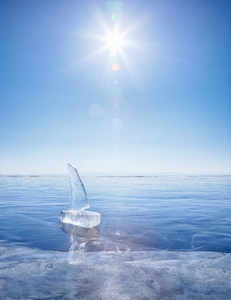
(113, 40)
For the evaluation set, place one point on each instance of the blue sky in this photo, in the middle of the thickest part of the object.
(167, 108)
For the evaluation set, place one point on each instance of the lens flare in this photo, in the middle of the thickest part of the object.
(115, 67)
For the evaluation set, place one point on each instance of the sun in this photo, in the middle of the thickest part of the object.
(114, 41)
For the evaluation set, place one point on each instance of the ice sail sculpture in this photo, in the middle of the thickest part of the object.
(79, 201)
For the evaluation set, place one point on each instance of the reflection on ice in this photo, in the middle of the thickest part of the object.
(85, 240)
(79, 248)
(84, 233)
(82, 240)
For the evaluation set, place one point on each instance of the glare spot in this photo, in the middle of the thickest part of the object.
(116, 123)
(114, 41)
(96, 110)
(115, 81)
(115, 67)
(113, 17)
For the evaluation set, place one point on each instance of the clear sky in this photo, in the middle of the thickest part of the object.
(166, 109)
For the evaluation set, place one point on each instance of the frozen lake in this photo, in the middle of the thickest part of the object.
(159, 236)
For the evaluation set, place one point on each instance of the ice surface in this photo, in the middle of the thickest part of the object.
(35, 274)
(121, 258)
(165, 212)
(80, 218)
(79, 200)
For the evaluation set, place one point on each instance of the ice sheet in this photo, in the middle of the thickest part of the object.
(122, 258)
(174, 213)
(27, 273)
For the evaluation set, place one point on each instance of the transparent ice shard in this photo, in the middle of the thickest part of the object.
(79, 201)
(84, 219)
